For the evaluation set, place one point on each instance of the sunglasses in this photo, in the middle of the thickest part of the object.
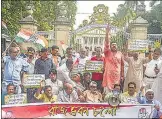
(16, 52)
(93, 86)
(130, 87)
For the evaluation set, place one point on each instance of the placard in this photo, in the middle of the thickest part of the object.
(15, 99)
(138, 45)
(33, 80)
(94, 66)
(80, 68)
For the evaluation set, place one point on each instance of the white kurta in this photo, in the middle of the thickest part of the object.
(134, 73)
(150, 66)
(157, 87)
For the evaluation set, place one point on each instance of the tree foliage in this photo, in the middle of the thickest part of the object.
(154, 17)
(44, 12)
(123, 16)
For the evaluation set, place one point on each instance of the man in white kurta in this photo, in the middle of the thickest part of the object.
(157, 87)
(152, 69)
(135, 71)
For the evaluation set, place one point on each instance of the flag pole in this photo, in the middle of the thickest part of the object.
(8, 47)
(10, 37)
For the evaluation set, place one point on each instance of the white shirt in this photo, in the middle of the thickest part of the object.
(83, 60)
(31, 65)
(64, 97)
(77, 55)
(58, 59)
(56, 86)
(150, 66)
(63, 74)
(65, 59)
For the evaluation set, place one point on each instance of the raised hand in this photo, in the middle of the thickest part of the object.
(107, 33)
(142, 88)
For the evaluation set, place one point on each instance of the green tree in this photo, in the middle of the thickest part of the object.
(123, 16)
(154, 17)
(44, 12)
(12, 12)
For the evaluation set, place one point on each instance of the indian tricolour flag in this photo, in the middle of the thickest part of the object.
(64, 46)
(42, 41)
(23, 35)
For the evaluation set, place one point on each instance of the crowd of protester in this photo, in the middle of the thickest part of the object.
(134, 79)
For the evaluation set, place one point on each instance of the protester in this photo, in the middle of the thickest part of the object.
(69, 55)
(31, 59)
(68, 94)
(83, 58)
(98, 77)
(37, 54)
(92, 95)
(152, 69)
(126, 65)
(86, 80)
(54, 56)
(135, 70)
(43, 65)
(93, 53)
(14, 69)
(115, 91)
(157, 87)
(114, 64)
(129, 96)
(11, 89)
(54, 82)
(149, 99)
(77, 79)
(46, 96)
(64, 72)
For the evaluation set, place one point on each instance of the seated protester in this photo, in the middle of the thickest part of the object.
(46, 96)
(149, 99)
(130, 95)
(92, 95)
(79, 87)
(63, 72)
(68, 94)
(11, 89)
(54, 82)
(86, 80)
(115, 91)
(69, 55)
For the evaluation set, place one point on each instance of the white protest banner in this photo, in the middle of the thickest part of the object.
(94, 66)
(33, 80)
(138, 45)
(15, 99)
(76, 110)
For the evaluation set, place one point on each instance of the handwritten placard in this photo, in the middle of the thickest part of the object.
(33, 80)
(80, 68)
(94, 66)
(15, 99)
(137, 45)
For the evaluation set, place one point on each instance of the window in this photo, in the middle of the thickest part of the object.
(85, 40)
(90, 41)
(95, 40)
(101, 40)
